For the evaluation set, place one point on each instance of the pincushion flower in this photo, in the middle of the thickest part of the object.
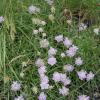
(67, 42)
(63, 55)
(1, 19)
(82, 26)
(90, 76)
(50, 2)
(56, 77)
(82, 74)
(59, 38)
(52, 61)
(44, 85)
(42, 96)
(68, 68)
(64, 91)
(44, 43)
(35, 32)
(19, 98)
(42, 70)
(78, 61)
(33, 9)
(83, 97)
(96, 31)
(39, 62)
(67, 81)
(16, 86)
(52, 51)
(44, 79)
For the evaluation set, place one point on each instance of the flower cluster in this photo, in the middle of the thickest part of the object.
(1, 19)
(83, 97)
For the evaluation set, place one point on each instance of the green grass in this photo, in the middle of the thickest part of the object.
(17, 44)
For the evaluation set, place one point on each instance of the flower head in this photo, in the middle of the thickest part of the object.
(56, 77)
(42, 96)
(64, 91)
(42, 70)
(52, 51)
(16, 86)
(44, 43)
(78, 61)
(33, 9)
(83, 97)
(82, 26)
(1, 19)
(50, 2)
(90, 76)
(68, 68)
(96, 31)
(52, 61)
(39, 62)
(63, 55)
(59, 38)
(19, 98)
(82, 74)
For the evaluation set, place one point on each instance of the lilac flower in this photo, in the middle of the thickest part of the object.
(56, 77)
(44, 43)
(78, 61)
(1, 19)
(16, 86)
(19, 98)
(96, 31)
(59, 38)
(82, 27)
(82, 74)
(44, 79)
(64, 91)
(44, 86)
(50, 2)
(42, 96)
(67, 42)
(90, 76)
(68, 68)
(42, 70)
(52, 51)
(83, 97)
(52, 61)
(33, 9)
(67, 81)
(39, 62)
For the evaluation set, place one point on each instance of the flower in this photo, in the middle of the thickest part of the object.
(82, 74)
(50, 2)
(16, 86)
(56, 77)
(63, 55)
(33, 9)
(40, 29)
(19, 98)
(82, 27)
(39, 62)
(42, 96)
(78, 61)
(52, 51)
(51, 17)
(1, 19)
(43, 23)
(72, 51)
(67, 42)
(96, 31)
(64, 91)
(35, 32)
(53, 9)
(42, 70)
(36, 21)
(44, 79)
(44, 86)
(52, 61)
(44, 43)
(68, 68)
(44, 34)
(90, 76)
(67, 81)
(83, 97)
(35, 90)
(59, 38)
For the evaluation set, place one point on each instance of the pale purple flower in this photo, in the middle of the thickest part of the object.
(44, 43)
(90, 76)
(56, 77)
(59, 38)
(1, 19)
(16, 86)
(52, 61)
(52, 51)
(63, 55)
(33, 9)
(19, 98)
(39, 62)
(44, 79)
(83, 97)
(40, 30)
(64, 91)
(67, 81)
(42, 96)
(50, 2)
(82, 74)
(42, 70)
(68, 68)
(67, 42)
(62, 77)
(44, 85)
(78, 61)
